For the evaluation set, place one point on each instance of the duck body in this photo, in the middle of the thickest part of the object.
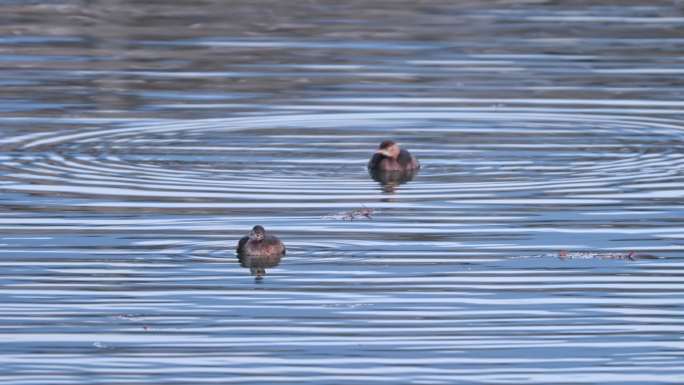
(404, 162)
(260, 244)
(390, 157)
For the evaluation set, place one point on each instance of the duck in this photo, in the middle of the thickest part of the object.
(390, 157)
(260, 244)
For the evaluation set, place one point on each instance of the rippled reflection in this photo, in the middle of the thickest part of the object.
(390, 180)
(257, 265)
(141, 139)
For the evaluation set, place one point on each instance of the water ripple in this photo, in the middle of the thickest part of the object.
(539, 244)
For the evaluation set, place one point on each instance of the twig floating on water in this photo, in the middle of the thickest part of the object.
(363, 212)
(632, 256)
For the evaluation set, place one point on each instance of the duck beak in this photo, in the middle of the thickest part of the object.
(382, 152)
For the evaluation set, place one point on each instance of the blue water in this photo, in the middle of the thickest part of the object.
(540, 243)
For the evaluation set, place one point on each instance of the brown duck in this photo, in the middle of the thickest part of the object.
(390, 157)
(260, 244)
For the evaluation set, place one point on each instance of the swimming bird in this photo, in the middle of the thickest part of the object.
(390, 157)
(260, 244)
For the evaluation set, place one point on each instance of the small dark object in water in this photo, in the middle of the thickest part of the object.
(390, 157)
(260, 244)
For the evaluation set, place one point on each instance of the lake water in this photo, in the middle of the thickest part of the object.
(141, 141)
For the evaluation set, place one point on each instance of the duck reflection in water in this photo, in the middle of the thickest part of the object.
(259, 250)
(392, 166)
(257, 265)
(390, 180)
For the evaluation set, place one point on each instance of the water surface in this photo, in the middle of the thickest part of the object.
(141, 141)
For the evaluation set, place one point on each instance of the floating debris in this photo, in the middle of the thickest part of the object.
(127, 317)
(363, 212)
(630, 256)
(135, 318)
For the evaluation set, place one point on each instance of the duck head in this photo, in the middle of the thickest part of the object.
(389, 149)
(257, 234)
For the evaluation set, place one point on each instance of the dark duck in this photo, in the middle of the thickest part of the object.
(260, 244)
(389, 157)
